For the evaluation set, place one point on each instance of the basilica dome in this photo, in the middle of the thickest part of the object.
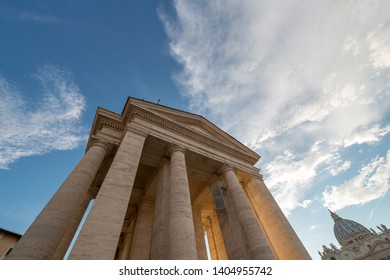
(347, 231)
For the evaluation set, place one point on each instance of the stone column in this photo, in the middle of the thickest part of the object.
(142, 237)
(159, 248)
(257, 241)
(215, 238)
(199, 234)
(72, 228)
(50, 234)
(182, 245)
(99, 236)
(282, 236)
(128, 236)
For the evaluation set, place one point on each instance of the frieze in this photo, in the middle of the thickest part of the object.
(193, 136)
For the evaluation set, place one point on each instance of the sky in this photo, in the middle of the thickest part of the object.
(305, 84)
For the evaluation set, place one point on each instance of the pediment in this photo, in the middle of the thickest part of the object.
(196, 124)
(379, 245)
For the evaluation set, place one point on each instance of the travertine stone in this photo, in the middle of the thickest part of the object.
(165, 214)
(215, 238)
(142, 237)
(232, 232)
(159, 248)
(128, 236)
(99, 236)
(182, 245)
(52, 231)
(282, 236)
(256, 239)
(72, 227)
(199, 234)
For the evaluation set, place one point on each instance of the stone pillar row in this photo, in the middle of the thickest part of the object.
(257, 241)
(50, 234)
(100, 233)
(173, 234)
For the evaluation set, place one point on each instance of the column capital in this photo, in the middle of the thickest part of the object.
(253, 176)
(225, 168)
(175, 148)
(107, 146)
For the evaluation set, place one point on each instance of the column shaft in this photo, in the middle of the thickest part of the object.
(50, 234)
(128, 236)
(99, 236)
(72, 228)
(159, 248)
(282, 236)
(199, 234)
(257, 241)
(215, 238)
(140, 245)
(182, 245)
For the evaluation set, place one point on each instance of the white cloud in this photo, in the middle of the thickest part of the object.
(379, 42)
(367, 135)
(305, 203)
(38, 125)
(286, 76)
(371, 183)
(313, 227)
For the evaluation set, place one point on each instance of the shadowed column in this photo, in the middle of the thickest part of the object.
(257, 241)
(159, 248)
(142, 236)
(199, 234)
(63, 212)
(99, 236)
(182, 244)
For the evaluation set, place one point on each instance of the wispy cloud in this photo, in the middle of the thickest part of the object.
(369, 135)
(27, 16)
(313, 227)
(370, 183)
(50, 121)
(305, 203)
(298, 81)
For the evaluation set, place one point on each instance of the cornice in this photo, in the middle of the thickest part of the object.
(192, 134)
(112, 125)
(131, 111)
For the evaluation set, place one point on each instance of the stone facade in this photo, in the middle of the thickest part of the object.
(151, 172)
(8, 239)
(357, 242)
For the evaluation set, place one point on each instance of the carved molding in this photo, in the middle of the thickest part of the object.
(193, 135)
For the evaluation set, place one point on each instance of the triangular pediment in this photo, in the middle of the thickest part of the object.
(195, 123)
(379, 245)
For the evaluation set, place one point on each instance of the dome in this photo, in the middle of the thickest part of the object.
(347, 231)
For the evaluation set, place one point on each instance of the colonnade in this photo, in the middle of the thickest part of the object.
(166, 226)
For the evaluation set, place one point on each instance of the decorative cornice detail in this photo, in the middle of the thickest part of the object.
(112, 125)
(185, 132)
(251, 177)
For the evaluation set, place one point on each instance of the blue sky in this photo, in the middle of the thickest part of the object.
(303, 83)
